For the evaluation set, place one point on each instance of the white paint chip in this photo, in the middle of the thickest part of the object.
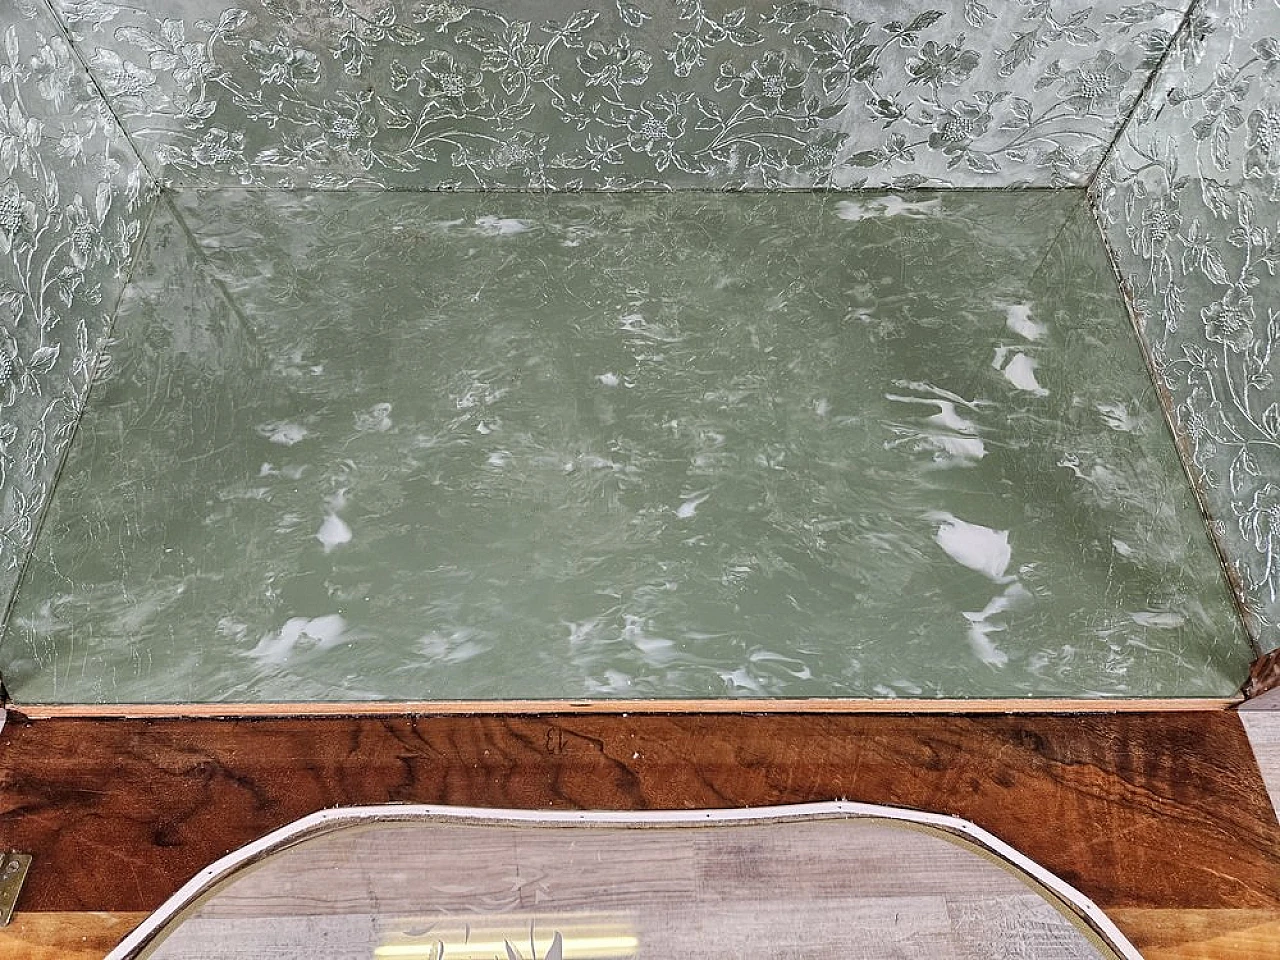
(282, 432)
(875, 208)
(502, 226)
(974, 546)
(333, 533)
(1018, 319)
(1021, 372)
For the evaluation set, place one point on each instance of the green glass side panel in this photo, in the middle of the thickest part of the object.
(424, 446)
(616, 94)
(1190, 202)
(73, 200)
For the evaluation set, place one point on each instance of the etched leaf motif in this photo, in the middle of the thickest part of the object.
(1243, 468)
(1019, 114)
(925, 20)
(865, 158)
(582, 20)
(1212, 266)
(231, 19)
(977, 13)
(1020, 51)
(631, 15)
(980, 162)
(1075, 30)
(102, 200)
(819, 40)
(43, 359)
(1271, 420)
(1268, 48)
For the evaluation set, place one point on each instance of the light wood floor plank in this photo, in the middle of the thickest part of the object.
(1263, 728)
(1203, 934)
(65, 936)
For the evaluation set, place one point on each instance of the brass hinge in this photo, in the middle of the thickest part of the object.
(13, 871)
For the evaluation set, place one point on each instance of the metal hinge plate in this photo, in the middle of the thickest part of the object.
(13, 870)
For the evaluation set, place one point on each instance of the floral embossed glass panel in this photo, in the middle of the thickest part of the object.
(1190, 201)
(618, 94)
(407, 446)
(73, 197)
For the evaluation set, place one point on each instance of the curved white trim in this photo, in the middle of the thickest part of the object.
(326, 820)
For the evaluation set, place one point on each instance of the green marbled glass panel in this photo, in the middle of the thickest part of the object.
(390, 445)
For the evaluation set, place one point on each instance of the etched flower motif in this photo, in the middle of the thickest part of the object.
(348, 121)
(520, 152)
(441, 15)
(1260, 526)
(450, 85)
(1158, 224)
(1094, 87)
(187, 62)
(282, 64)
(818, 155)
(19, 134)
(56, 74)
(941, 66)
(615, 64)
(219, 148)
(17, 214)
(1229, 321)
(1194, 423)
(960, 126)
(774, 83)
(96, 12)
(654, 128)
(121, 78)
(86, 241)
(1262, 141)
(686, 54)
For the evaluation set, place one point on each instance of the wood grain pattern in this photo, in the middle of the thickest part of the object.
(65, 936)
(1264, 675)
(904, 928)
(1135, 810)
(507, 868)
(1204, 934)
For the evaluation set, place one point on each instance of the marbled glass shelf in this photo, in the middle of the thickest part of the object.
(366, 446)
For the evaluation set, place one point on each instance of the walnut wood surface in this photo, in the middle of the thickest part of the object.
(1137, 807)
(1264, 675)
(1139, 811)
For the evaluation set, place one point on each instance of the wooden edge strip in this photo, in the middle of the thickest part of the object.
(833, 705)
(1264, 675)
(1094, 920)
